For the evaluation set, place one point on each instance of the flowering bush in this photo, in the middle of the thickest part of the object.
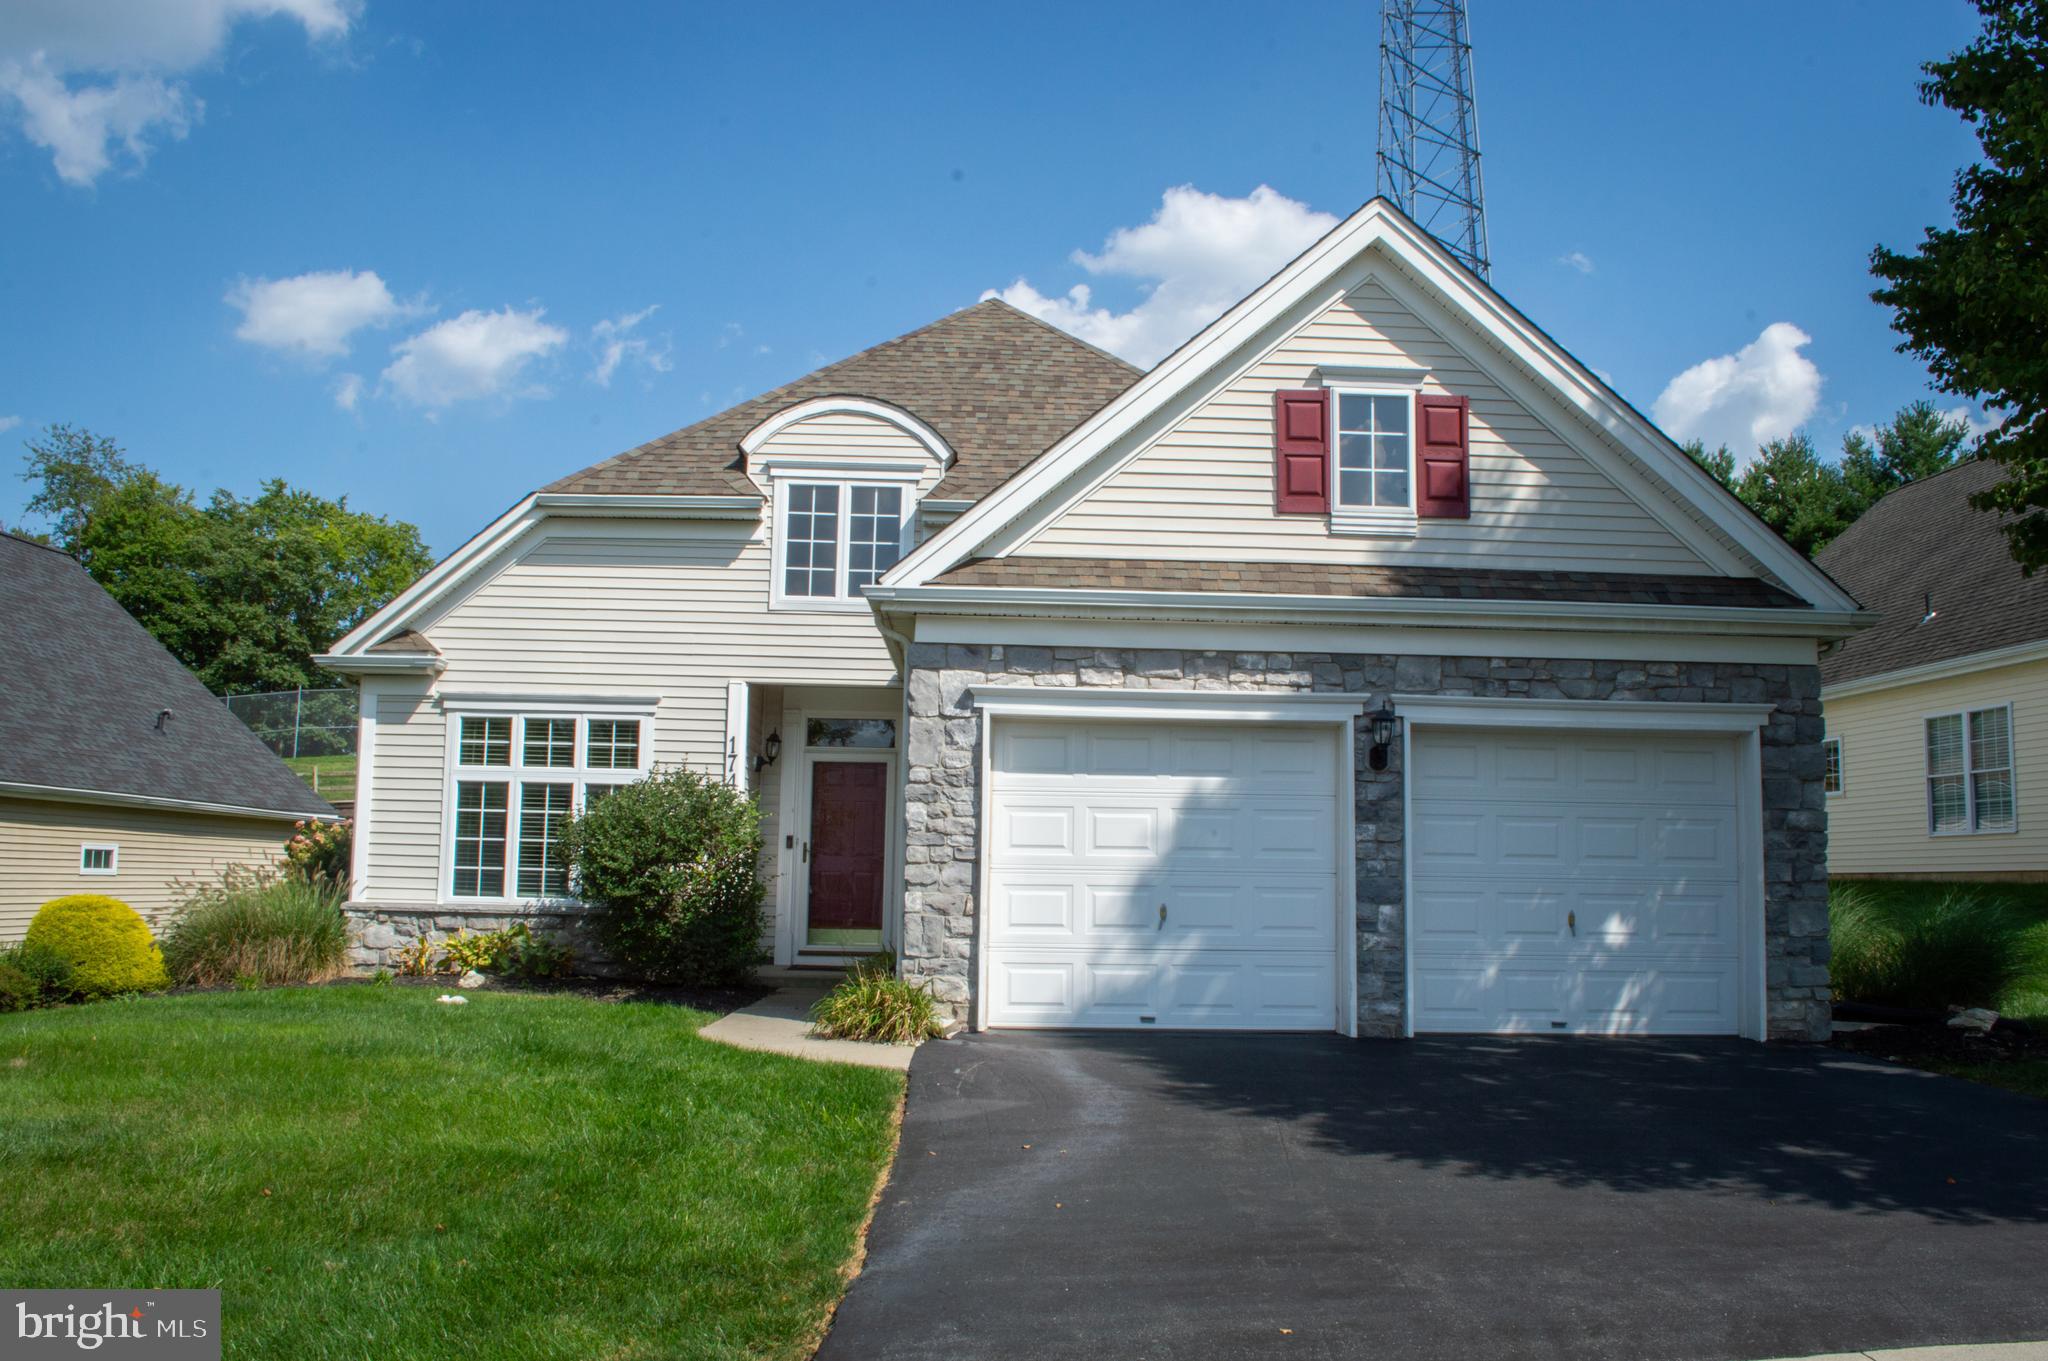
(321, 850)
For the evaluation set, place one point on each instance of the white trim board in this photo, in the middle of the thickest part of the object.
(751, 442)
(1606, 715)
(1246, 327)
(2019, 654)
(64, 794)
(1180, 706)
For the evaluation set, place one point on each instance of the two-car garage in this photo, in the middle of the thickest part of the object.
(1199, 873)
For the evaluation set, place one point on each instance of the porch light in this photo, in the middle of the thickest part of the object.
(770, 750)
(1382, 735)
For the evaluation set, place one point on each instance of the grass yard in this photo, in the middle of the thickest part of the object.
(331, 777)
(365, 1172)
(2027, 999)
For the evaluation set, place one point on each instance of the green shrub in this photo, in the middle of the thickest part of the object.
(103, 941)
(514, 950)
(32, 976)
(1960, 949)
(321, 850)
(673, 865)
(259, 926)
(873, 1004)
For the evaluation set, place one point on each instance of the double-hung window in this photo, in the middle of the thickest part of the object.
(1970, 772)
(518, 778)
(1374, 477)
(835, 538)
(1833, 779)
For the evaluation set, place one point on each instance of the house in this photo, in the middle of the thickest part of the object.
(119, 772)
(1937, 717)
(1368, 665)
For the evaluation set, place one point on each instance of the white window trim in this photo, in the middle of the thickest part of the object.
(113, 850)
(1841, 765)
(845, 474)
(1969, 773)
(580, 776)
(1380, 521)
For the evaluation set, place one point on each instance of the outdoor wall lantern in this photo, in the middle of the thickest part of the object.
(1382, 735)
(770, 750)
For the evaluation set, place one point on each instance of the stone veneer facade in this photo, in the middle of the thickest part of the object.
(943, 801)
(379, 934)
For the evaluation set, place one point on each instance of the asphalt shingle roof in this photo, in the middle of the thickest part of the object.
(1347, 579)
(1925, 541)
(999, 386)
(81, 685)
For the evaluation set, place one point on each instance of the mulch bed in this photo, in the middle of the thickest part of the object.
(1940, 1043)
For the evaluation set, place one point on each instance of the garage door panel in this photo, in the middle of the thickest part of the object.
(1574, 882)
(1232, 829)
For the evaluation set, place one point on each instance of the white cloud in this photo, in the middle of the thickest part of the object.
(475, 355)
(315, 314)
(348, 390)
(87, 78)
(1764, 391)
(614, 343)
(8, 423)
(1199, 254)
(1980, 422)
(1577, 260)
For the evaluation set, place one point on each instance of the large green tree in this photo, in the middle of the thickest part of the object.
(244, 592)
(1972, 300)
(1917, 442)
(1797, 494)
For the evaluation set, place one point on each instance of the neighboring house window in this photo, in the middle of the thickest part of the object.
(1969, 772)
(99, 858)
(518, 779)
(1832, 748)
(836, 538)
(1375, 461)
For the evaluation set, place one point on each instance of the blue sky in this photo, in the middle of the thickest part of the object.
(489, 198)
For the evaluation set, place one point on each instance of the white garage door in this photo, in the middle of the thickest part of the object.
(1574, 882)
(1174, 875)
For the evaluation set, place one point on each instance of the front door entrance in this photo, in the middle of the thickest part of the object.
(848, 848)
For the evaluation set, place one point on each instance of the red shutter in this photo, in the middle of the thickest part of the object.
(1301, 451)
(1443, 462)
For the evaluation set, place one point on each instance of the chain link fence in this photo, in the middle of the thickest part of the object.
(300, 722)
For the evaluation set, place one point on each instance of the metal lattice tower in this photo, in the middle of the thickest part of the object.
(1429, 129)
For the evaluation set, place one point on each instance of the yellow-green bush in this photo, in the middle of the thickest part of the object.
(105, 941)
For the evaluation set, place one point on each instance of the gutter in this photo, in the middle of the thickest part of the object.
(59, 794)
(1409, 611)
(381, 663)
(2018, 654)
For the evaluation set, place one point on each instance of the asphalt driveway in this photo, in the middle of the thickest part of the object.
(1113, 1197)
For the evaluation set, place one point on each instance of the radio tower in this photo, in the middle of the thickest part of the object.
(1429, 130)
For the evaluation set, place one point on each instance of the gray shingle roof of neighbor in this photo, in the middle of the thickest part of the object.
(1352, 579)
(999, 386)
(82, 684)
(406, 641)
(1924, 543)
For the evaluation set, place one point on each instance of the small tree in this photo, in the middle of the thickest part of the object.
(673, 864)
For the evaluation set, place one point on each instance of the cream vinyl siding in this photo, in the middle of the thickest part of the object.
(1203, 491)
(836, 434)
(671, 609)
(1878, 824)
(39, 843)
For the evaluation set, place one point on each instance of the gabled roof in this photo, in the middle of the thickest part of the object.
(1922, 544)
(82, 686)
(1520, 356)
(998, 385)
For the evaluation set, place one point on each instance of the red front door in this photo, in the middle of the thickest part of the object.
(849, 804)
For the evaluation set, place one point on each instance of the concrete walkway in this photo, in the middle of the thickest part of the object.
(1987, 1351)
(780, 1023)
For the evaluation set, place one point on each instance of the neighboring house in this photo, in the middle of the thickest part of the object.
(1104, 746)
(119, 772)
(1937, 718)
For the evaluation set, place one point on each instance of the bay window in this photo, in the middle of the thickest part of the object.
(517, 778)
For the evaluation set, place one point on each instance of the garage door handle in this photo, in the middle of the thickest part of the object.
(1162, 916)
(1571, 919)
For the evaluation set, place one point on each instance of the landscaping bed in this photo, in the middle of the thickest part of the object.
(363, 1170)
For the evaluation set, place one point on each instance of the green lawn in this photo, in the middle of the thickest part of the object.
(332, 777)
(365, 1172)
